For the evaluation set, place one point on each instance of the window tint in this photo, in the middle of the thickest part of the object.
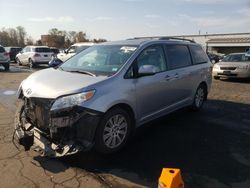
(178, 56)
(198, 54)
(42, 50)
(236, 58)
(2, 50)
(81, 48)
(27, 49)
(153, 55)
(72, 49)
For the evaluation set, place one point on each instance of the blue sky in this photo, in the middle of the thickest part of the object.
(120, 19)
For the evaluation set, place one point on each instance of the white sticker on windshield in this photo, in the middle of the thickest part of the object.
(114, 69)
(127, 49)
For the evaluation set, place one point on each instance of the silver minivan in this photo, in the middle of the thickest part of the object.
(100, 96)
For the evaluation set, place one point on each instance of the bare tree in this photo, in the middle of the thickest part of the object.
(21, 33)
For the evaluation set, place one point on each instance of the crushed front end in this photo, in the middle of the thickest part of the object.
(57, 132)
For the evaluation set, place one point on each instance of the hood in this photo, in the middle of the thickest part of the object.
(52, 83)
(234, 64)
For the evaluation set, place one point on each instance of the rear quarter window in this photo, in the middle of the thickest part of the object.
(198, 54)
(178, 56)
(43, 50)
(2, 50)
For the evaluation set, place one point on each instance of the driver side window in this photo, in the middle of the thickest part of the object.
(154, 56)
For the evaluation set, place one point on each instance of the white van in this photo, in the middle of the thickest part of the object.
(74, 49)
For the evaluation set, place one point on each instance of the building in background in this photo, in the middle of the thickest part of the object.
(222, 43)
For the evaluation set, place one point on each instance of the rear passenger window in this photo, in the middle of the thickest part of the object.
(178, 56)
(199, 56)
(2, 50)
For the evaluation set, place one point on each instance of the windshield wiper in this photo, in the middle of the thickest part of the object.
(83, 72)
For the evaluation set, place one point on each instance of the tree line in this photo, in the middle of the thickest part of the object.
(57, 38)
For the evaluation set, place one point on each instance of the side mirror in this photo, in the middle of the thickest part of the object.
(54, 62)
(147, 70)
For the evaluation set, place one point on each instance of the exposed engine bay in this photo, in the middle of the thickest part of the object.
(56, 133)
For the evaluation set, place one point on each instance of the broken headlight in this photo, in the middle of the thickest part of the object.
(72, 100)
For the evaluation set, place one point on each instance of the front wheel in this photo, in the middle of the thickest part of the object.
(113, 131)
(199, 98)
(18, 62)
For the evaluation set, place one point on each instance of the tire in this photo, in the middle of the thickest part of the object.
(31, 64)
(216, 77)
(18, 62)
(199, 97)
(7, 67)
(113, 131)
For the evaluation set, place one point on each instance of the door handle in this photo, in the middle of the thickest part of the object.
(167, 78)
(176, 75)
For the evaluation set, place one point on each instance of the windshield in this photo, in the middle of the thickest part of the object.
(100, 60)
(236, 58)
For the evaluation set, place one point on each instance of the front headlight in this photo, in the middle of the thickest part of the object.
(72, 100)
(216, 66)
(244, 67)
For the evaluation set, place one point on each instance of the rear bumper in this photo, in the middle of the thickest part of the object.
(40, 62)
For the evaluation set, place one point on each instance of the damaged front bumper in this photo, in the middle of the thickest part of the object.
(67, 132)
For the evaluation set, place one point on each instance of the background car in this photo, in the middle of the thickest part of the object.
(74, 49)
(55, 50)
(4, 58)
(34, 55)
(13, 51)
(214, 58)
(235, 65)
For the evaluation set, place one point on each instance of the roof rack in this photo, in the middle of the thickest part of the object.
(164, 38)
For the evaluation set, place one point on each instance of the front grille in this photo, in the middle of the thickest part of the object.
(38, 112)
(227, 68)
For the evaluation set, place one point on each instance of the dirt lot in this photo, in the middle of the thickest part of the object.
(211, 147)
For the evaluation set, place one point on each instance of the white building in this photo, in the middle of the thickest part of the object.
(222, 43)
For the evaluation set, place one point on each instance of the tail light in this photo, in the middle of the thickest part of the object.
(37, 55)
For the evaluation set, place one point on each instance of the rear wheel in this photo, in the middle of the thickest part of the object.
(216, 77)
(31, 64)
(7, 67)
(113, 132)
(18, 62)
(200, 97)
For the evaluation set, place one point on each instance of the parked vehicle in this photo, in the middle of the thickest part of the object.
(74, 49)
(4, 59)
(101, 95)
(34, 55)
(235, 65)
(55, 62)
(214, 58)
(13, 51)
(55, 51)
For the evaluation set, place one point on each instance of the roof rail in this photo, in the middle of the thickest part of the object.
(164, 38)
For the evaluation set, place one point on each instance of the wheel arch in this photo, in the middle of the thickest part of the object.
(204, 84)
(128, 109)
